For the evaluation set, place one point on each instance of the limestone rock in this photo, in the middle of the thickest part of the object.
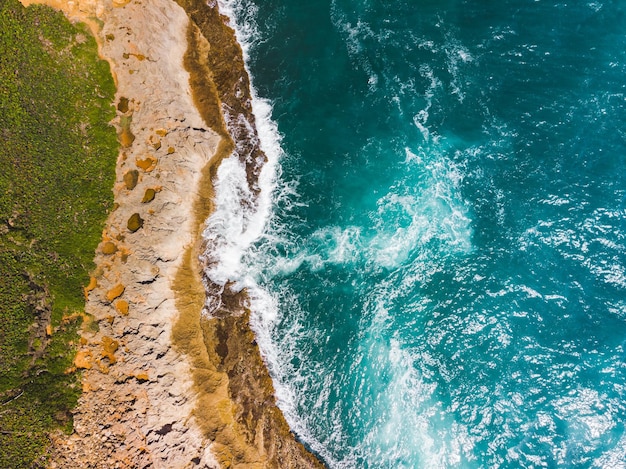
(144, 271)
(140, 407)
(147, 164)
(93, 283)
(122, 104)
(109, 347)
(83, 359)
(122, 306)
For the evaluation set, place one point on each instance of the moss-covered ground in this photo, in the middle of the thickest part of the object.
(57, 163)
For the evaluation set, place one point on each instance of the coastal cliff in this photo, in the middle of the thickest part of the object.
(163, 385)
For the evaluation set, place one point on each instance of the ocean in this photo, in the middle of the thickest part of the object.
(437, 259)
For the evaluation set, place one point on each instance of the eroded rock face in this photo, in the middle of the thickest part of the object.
(163, 387)
(136, 408)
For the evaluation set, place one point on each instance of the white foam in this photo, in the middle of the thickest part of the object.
(615, 458)
(240, 216)
(236, 225)
(279, 353)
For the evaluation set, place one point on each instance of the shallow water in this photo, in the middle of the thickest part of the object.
(438, 264)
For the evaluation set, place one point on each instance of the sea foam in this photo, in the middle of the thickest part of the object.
(238, 223)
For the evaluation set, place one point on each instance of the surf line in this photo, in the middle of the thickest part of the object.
(236, 407)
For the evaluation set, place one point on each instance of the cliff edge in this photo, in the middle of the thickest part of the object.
(163, 386)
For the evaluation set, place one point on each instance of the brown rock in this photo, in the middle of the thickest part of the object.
(141, 377)
(115, 292)
(109, 248)
(93, 283)
(122, 104)
(131, 178)
(122, 307)
(134, 222)
(83, 359)
(148, 196)
(109, 347)
(147, 164)
(113, 426)
(126, 137)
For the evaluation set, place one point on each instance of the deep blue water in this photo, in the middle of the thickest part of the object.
(441, 281)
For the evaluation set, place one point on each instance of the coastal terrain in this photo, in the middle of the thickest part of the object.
(162, 384)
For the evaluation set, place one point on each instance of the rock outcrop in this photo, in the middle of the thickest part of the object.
(164, 387)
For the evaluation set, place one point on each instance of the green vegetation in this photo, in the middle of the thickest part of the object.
(57, 162)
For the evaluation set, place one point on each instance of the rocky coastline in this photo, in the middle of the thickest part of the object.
(163, 385)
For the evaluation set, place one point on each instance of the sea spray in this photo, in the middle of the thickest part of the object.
(242, 219)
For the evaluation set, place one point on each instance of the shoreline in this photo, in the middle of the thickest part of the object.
(162, 385)
(229, 373)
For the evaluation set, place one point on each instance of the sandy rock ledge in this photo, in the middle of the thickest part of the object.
(136, 408)
(163, 385)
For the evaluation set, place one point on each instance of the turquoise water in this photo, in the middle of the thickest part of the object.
(438, 264)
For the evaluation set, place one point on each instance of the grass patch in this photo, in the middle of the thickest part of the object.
(57, 167)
